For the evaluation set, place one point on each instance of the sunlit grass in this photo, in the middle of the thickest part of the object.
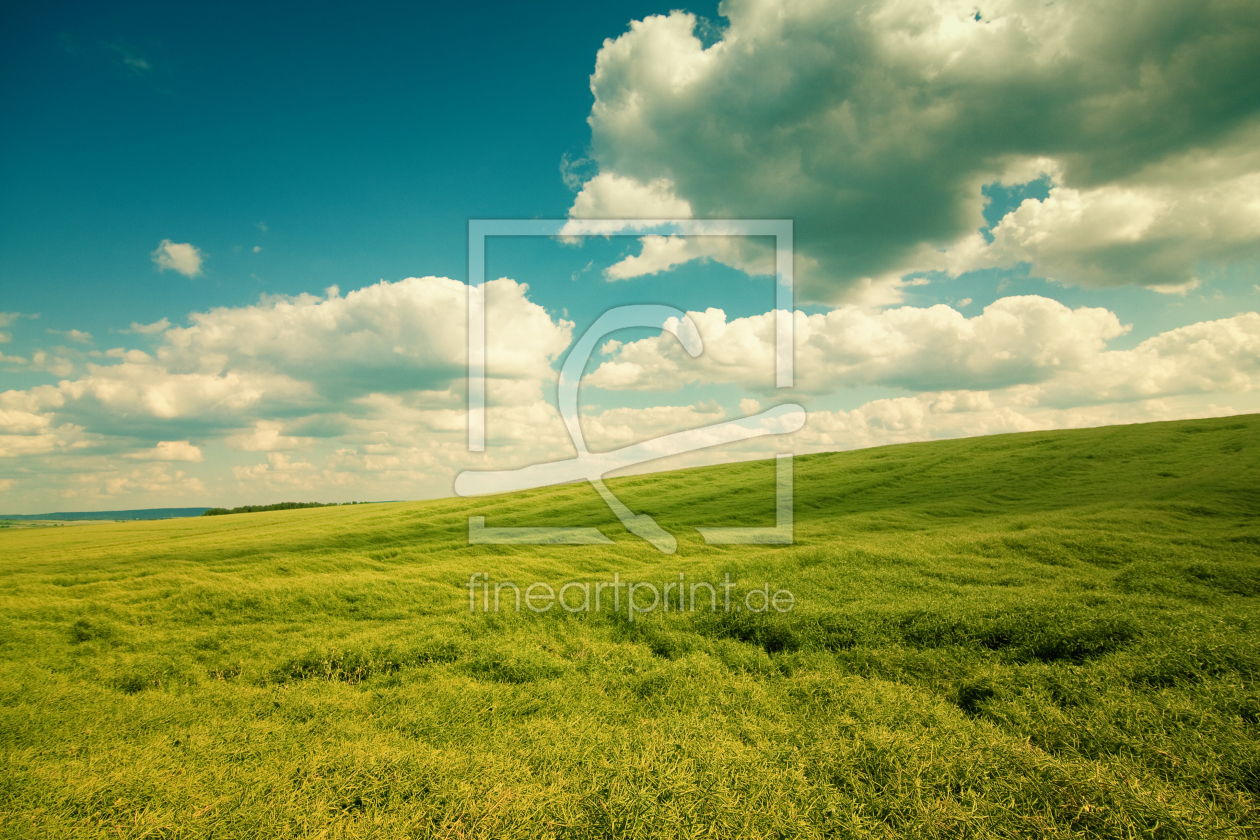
(1050, 634)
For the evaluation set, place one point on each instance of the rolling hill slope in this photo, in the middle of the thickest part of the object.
(1044, 634)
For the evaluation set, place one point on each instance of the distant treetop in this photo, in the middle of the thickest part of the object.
(280, 506)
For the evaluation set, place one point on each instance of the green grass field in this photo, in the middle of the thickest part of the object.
(1038, 635)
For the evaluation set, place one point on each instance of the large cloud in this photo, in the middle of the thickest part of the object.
(1157, 227)
(1056, 354)
(283, 375)
(875, 124)
(365, 389)
(403, 336)
(292, 356)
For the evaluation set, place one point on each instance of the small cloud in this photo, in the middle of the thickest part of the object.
(135, 63)
(169, 450)
(6, 483)
(11, 360)
(262, 226)
(138, 357)
(575, 172)
(918, 281)
(1182, 289)
(749, 406)
(55, 365)
(178, 256)
(74, 335)
(279, 469)
(257, 249)
(5, 337)
(964, 302)
(149, 329)
(267, 436)
(7, 318)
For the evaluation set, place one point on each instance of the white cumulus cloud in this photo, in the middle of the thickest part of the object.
(874, 125)
(150, 329)
(377, 373)
(1016, 340)
(178, 256)
(169, 450)
(266, 436)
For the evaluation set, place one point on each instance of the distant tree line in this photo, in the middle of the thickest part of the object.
(280, 506)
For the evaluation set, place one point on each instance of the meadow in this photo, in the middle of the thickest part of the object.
(1037, 635)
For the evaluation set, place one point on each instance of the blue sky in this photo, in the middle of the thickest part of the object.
(1021, 218)
(362, 141)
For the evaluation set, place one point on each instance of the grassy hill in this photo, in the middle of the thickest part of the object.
(1043, 635)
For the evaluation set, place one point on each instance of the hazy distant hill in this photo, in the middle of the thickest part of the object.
(154, 513)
